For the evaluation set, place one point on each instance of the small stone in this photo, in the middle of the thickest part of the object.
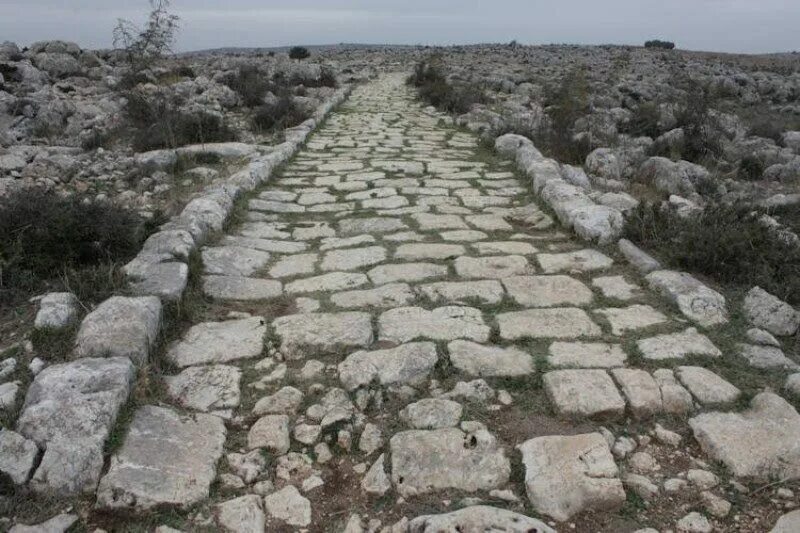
(270, 432)
(714, 505)
(371, 439)
(289, 506)
(376, 481)
(432, 413)
(243, 514)
(694, 522)
(702, 479)
(17, 456)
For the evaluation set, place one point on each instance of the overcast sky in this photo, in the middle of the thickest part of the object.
(719, 25)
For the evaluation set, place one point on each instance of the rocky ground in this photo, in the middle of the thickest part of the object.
(397, 336)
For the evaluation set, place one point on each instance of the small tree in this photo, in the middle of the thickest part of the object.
(145, 45)
(299, 52)
(656, 43)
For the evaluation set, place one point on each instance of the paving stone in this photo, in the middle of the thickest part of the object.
(635, 317)
(479, 518)
(239, 288)
(766, 357)
(285, 401)
(504, 248)
(617, 287)
(404, 324)
(432, 413)
(586, 355)
(241, 515)
(233, 260)
(333, 281)
(120, 327)
(270, 206)
(499, 267)
(334, 243)
(57, 310)
(427, 221)
(309, 333)
(17, 456)
(353, 258)
(206, 388)
(432, 460)
(674, 398)
(58, 524)
(407, 364)
(760, 442)
(567, 475)
(464, 235)
(406, 272)
(583, 393)
(559, 323)
(166, 460)
(708, 388)
(70, 409)
(488, 222)
(391, 295)
(309, 231)
(295, 265)
(289, 506)
(640, 390)
(371, 226)
(436, 251)
(677, 346)
(270, 432)
(580, 261)
(768, 312)
(265, 245)
(547, 291)
(219, 342)
(483, 291)
(489, 361)
(696, 301)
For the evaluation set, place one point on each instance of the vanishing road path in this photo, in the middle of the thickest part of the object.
(395, 329)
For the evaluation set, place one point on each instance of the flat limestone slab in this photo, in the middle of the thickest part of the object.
(696, 301)
(583, 393)
(762, 442)
(310, 333)
(481, 360)
(219, 342)
(407, 272)
(407, 364)
(206, 388)
(567, 475)
(586, 355)
(240, 288)
(491, 267)
(430, 460)
(391, 295)
(479, 518)
(120, 327)
(677, 346)
(233, 260)
(581, 261)
(166, 459)
(708, 388)
(547, 291)
(556, 323)
(488, 291)
(404, 324)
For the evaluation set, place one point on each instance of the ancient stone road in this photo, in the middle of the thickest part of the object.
(428, 331)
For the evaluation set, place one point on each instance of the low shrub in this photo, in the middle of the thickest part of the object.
(751, 168)
(157, 121)
(566, 103)
(299, 52)
(433, 87)
(250, 84)
(767, 128)
(44, 236)
(701, 138)
(277, 115)
(727, 243)
(658, 44)
(644, 121)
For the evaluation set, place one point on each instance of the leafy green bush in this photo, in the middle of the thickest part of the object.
(566, 103)
(299, 52)
(45, 236)
(726, 243)
(700, 138)
(156, 122)
(751, 168)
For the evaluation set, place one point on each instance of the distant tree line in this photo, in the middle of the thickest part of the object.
(664, 45)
